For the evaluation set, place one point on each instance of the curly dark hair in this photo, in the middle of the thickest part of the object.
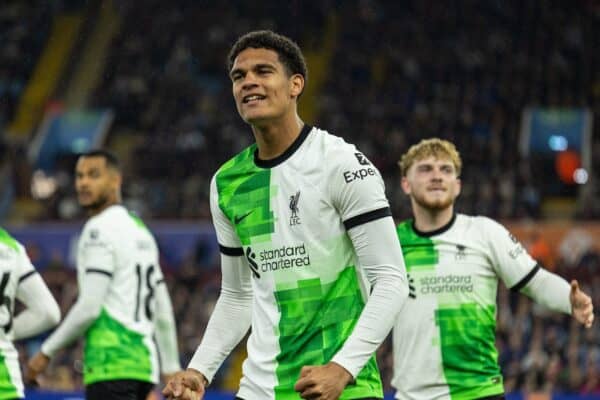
(288, 51)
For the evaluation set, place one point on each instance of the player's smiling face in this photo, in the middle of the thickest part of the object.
(432, 183)
(262, 88)
(96, 184)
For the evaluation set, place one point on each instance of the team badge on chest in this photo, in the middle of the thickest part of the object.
(294, 218)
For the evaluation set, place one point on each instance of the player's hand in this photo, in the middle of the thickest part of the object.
(166, 377)
(36, 365)
(322, 382)
(186, 385)
(581, 305)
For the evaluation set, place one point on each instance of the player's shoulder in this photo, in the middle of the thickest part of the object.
(233, 169)
(9, 242)
(341, 156)
(404, 228)
(241, 161)
(334, 147)
(406, 233)
(10, 247)
(481, 222)
(108, 216)
(480, 226)
(111, 222)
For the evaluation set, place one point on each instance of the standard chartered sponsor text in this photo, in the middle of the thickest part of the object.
(446, 284)
(283, 257)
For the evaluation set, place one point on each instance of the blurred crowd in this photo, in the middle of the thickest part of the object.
(24, 28)
(385, 74)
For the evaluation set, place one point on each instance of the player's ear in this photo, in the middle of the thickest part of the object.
(458, 187)
(405, 185)
(296, 85)
(116, 178)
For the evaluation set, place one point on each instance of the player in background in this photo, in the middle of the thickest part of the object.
(123, 300)
(19, 280)
(301, 217)
(444, 337)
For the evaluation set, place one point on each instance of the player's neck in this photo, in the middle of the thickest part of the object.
(91, 212)
(275, 138)
(427, 220)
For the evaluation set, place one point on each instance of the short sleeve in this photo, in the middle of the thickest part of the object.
(96, 251)
(511, 261)
(229, 242)
(356, 188)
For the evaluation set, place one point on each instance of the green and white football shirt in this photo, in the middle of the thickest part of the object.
(288, 217)
(14, 268)
(119, 343)
(444, 338)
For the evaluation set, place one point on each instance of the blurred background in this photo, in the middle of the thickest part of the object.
(514, 83)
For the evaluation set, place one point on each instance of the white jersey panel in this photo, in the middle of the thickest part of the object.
(118, 244)
(444, 338)
(287, 218)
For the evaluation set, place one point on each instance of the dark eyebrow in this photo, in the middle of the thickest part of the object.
(235, 71)
(260, 66)
(254, 67)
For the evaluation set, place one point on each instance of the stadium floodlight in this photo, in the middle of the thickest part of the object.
(580, 176)
(558, 143)
(42, 186)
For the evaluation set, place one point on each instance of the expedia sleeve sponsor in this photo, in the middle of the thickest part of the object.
(516, 251)
(362, 160)
(93, 237)
(355, 185)
(359, 174)
(358, 169)
(509, 257)
(88, 244)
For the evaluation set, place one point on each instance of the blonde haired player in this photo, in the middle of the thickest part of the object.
(444, 337)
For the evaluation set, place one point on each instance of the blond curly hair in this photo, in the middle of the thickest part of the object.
(433, 147)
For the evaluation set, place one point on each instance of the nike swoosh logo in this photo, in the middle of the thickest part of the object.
(239, 218)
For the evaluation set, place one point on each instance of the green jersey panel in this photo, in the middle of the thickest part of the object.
(114, 352)
(8, 388)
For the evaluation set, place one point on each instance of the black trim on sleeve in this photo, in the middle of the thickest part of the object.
(367, 217)
(526, 279)
(287, 153)
(231, 251)
(26, 275)
(98, 271)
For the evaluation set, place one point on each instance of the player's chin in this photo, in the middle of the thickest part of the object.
(437, 204)
(256, 115)
(84, 202)
(88, 204)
